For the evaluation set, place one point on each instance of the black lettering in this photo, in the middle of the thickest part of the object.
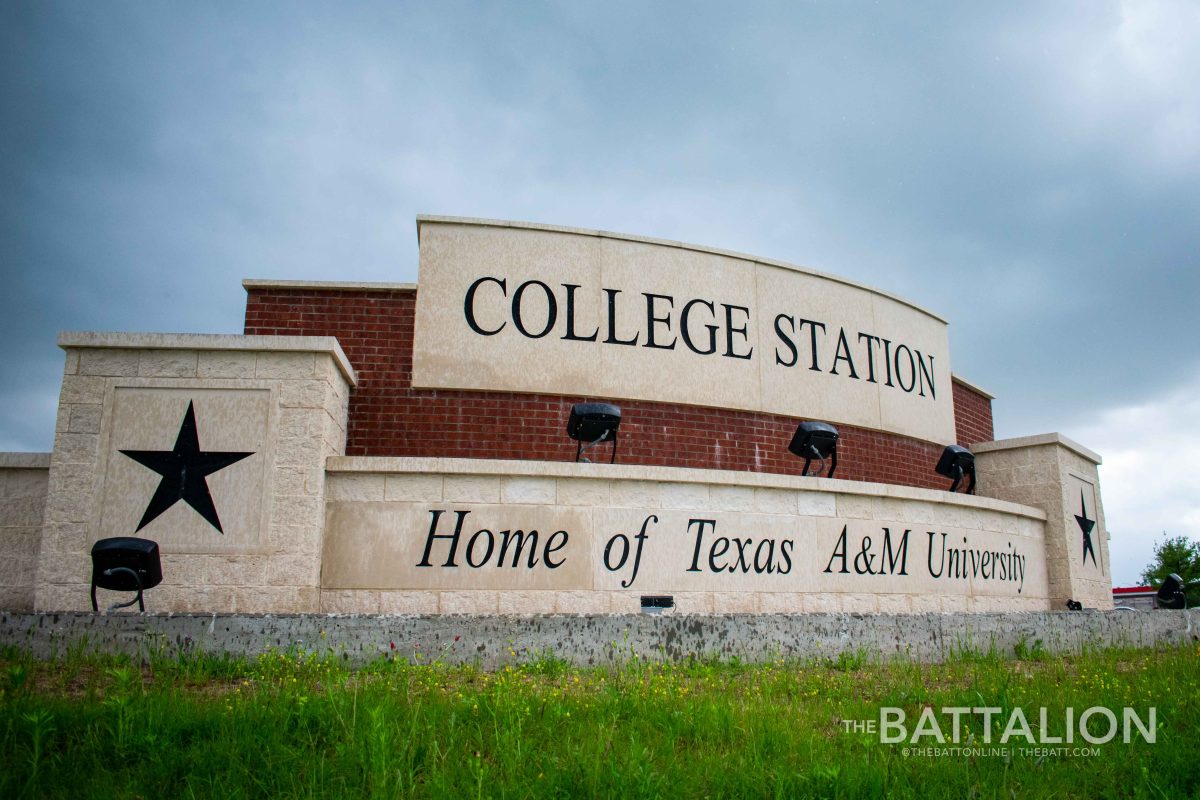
(507, 537)
(887, 562)
(769, 566)
(552, 548)
(730, 331)
(842, 353)
(865, 559)
(812, 335)
(723, 543)
(912, 369)
(570, 334)
(941, 559)
(612, 321)
(699, 523)
(624, 540)
(870, 340)
(469, 305)
(453, 537)
(652, 320)
(839, 550)
(787, 341)
(551, 309)
(741, 563)
(887, 360)
(926, 375)
(785, 551)
(685, 332)
(491, 544)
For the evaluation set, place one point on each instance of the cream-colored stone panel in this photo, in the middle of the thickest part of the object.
(225, 364)
(149, 419)
(775, 501)
(816, 504)
(583, 492)
(529, 490)
(731, 498)
(686, 495)
(736, 602)
(355, 487)
(293, 570)
(83, 390)
(450, 354)
(114, 363)
(648, 286)
(796, 389)
(468, 602)
(638, 269)
(543, 602)
(356, 601)
(85, 419)
(471, 489)
(295, 366)
(580, 603)
(927, 411)
(413, 487)
(408, 602)
(382, 545)
(167, 363)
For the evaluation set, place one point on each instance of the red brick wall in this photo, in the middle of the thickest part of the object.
(390, 418)
(972, 416)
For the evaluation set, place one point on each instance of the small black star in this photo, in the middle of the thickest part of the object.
(1086, 526)
(183, 471)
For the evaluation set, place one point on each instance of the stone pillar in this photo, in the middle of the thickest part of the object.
(214, 446)
(23, 479)
(1059, 476)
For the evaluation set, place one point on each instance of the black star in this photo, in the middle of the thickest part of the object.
(183, 471)
(1086, 526)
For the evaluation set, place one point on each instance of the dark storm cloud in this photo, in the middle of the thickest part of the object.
(1023, 171)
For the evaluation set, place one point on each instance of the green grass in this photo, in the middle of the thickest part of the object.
(289, 725)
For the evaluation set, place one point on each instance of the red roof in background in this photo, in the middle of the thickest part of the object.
(1133, 589)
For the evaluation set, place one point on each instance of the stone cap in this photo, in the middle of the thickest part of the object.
(537, 226)
(1035, 441)
(342, 286)
(569, 469)
(973, 387)
(211, 341)
(24, 460)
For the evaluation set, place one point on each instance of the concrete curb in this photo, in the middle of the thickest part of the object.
(595, 640)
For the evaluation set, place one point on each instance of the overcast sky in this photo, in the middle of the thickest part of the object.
(1030, 171)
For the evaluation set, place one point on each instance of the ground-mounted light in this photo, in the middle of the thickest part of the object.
(1170, 594)
(593, 423)
(657, 603)
(816, 440)
(125, 564)
(957, 462)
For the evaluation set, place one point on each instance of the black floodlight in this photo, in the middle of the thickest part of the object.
(955, 463)
(657, 603)
(125, 564)
(1170, 594)
(1074, 605)
(816, 440)
(593, 423)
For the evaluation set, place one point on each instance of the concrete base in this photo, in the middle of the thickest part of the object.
(596, 640)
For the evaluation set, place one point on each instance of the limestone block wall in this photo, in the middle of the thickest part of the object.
(23, 481)
(1060, 476)
(272, 407)
(429, 536)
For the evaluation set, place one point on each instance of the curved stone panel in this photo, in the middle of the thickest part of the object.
(441, 535)
(509, 307)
